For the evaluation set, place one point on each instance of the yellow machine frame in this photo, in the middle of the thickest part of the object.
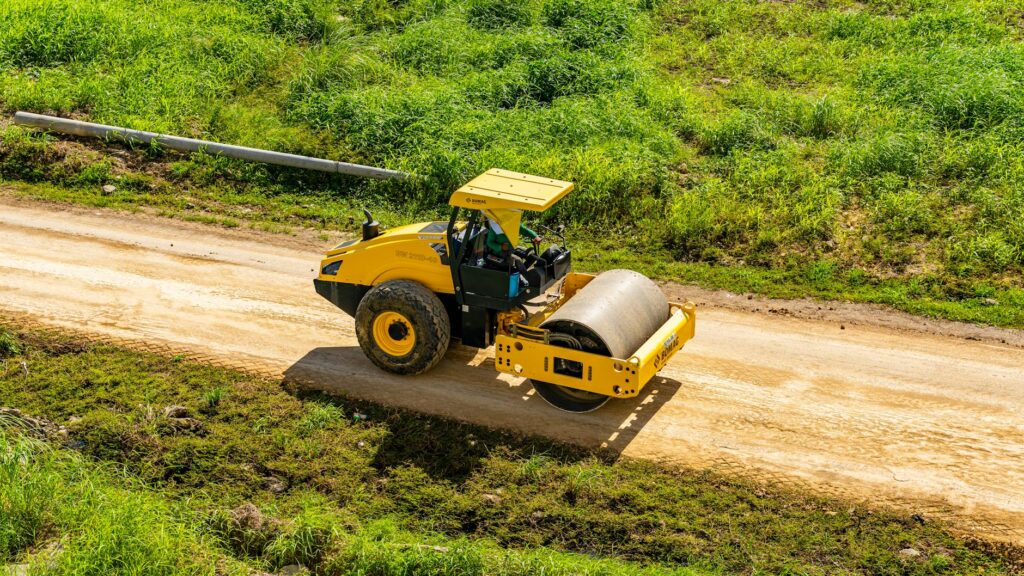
(403, 253)
(522, 349)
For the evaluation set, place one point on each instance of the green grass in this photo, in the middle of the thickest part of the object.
(348, 487)
(740, 140)
(8, 344)
(63, 514)
(105, 524)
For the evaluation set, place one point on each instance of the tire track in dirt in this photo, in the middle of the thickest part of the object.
(871, 414)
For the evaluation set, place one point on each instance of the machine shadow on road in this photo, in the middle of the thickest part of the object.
(465, 387)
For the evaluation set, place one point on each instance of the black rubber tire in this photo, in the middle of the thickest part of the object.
(424, 311)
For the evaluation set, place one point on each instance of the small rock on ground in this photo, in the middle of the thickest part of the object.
(176, 411)
(186, 424)
(909, 553)
(275, 485)
(37, 427)
(293, 570)
(248, 516)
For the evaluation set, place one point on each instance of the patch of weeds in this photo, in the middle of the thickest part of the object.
(533, 467)
(903, 213)
(9, 344)
(305, 539)
(246, 530)
(589, 23)
(320, 416)
(496, 14)
(308, 20)
(737, 131)
(212, 219)
(213, 397)
(889, 153)
(821, 117)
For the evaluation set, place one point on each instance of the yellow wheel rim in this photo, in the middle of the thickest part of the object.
(394, 334)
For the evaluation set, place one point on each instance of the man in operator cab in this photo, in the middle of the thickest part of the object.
(499, 248)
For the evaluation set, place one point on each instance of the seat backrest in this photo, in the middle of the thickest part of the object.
(476, 247)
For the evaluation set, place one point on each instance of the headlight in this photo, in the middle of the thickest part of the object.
(331, 269)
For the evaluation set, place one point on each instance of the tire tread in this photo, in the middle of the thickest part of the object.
(423, 308)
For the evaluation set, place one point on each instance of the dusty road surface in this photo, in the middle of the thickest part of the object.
(928, 422)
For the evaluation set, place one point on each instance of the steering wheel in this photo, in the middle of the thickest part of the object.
(529, 255)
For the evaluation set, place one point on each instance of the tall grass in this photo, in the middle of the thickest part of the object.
(133, 63)
(550, 87)
(959, 88)
(895, 116)
(49, 496)
(27, 490)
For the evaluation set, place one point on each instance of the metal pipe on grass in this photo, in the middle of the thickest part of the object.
(129, 136)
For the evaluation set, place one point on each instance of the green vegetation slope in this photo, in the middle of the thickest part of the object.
(865, 150)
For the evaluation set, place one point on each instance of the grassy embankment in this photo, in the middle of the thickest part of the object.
(96, 521)
(862, 150)
(351, 488)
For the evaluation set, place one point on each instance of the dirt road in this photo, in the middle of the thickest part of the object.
(929, 422)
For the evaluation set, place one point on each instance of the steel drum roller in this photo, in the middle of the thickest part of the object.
(614, 314)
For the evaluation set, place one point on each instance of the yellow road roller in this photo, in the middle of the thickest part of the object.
(411, 289)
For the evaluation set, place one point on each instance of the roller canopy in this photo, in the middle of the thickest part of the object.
(499, 189)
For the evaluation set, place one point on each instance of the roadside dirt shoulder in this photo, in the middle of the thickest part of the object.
(842, 313)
